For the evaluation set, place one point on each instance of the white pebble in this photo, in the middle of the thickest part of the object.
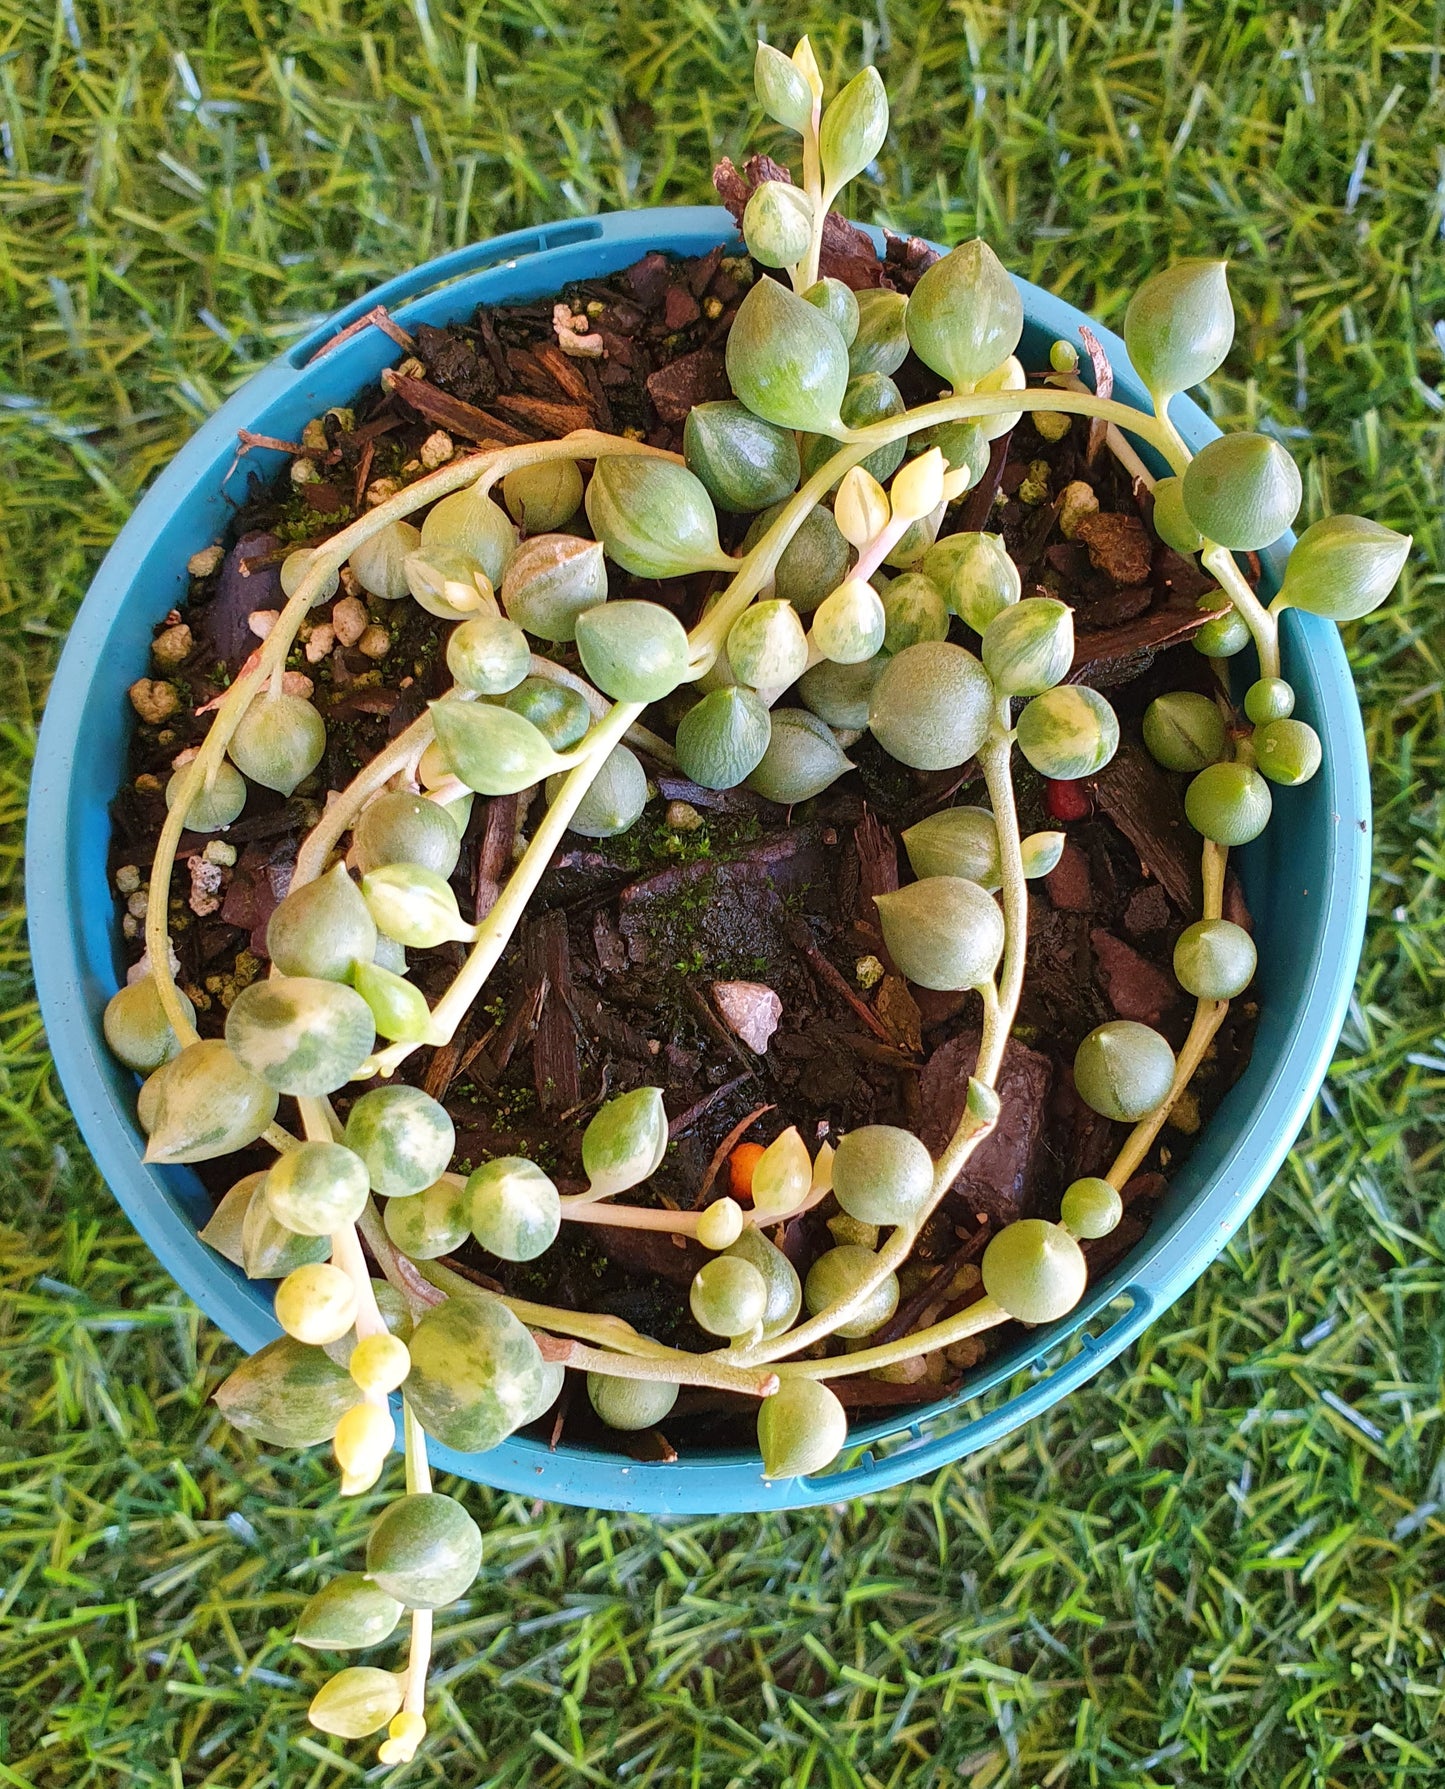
(350, 620)
(202, 564)
(749, 1010)
(319, 645)
(436, 450)
(205, 896)
(139, 971)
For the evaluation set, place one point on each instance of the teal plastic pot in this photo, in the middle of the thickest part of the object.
(1306, 880)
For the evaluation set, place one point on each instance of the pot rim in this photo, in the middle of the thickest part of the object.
(75, 958)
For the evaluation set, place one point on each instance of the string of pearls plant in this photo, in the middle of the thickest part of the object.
(809, 639)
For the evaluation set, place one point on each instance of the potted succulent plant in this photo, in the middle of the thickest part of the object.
(859, 600)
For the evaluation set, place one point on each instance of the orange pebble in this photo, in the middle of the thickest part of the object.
(741, 1164)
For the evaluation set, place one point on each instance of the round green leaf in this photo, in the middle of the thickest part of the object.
(201, 1104)
(932, 706)
(136, 1027)
(654, 518)
(403, 1135)
(492, 749)
(943, 932)
(398, 827)
(965, 315)
(475, 1375)
(553, 579)
(801, 1428)
(1343, 567)
(1068, 732)
(633, 651)
(786, 361)
(1242, 491)
(614, 800)
(1035, 1270)
(1123, 1070)
(802, 759)
(1179, 326)
(287, 1395)
(745, 463)
(424, 1548)
(279, 742)
(721, 739)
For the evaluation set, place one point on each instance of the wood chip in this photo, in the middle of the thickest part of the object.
(1144, 803)
(456, 417)
(555, 419)
(494, 853)
(568, 376)
(555, 1071)
(900, 1012)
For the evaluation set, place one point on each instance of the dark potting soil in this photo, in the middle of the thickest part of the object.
(609, 983)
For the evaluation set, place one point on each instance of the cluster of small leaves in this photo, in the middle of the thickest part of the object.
(811, 367)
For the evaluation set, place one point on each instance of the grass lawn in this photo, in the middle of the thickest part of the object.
(1220, 1565)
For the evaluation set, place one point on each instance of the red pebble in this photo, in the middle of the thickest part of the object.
(1067, 801)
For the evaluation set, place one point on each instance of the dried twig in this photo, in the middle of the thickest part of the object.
(378, 317)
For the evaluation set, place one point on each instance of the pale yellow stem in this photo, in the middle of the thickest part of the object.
(757, 568)
(642, 737)
(338, 818)
(1263, 625)
(607, 1332)
(495, 930)
(974, 1321)
(578, 1209)
(270, 658)
(680, 1369)
(998, 1016)
(418, 1479)
(806, 272)
(1208, 1017)
(319, 1123)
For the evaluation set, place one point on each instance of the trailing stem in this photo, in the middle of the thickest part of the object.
(497, 928)
(1261, 623)
(984, 1315)
(751, 576)
(418, 1479)
(269, 661)
(998, 1015)
(1208, 1017)
(753, 573)
(340, 815)
(320, 1126)
(617, 1348)
(680, 1369)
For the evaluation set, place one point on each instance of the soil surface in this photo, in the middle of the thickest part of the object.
(610, 983)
